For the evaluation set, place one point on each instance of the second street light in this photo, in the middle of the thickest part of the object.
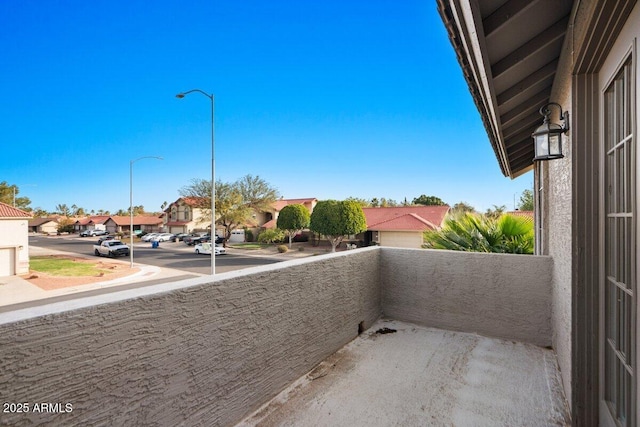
(213, 176)
(131, 203)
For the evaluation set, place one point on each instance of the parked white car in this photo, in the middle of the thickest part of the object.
(205, 248)
(148, 237)
(165, 237)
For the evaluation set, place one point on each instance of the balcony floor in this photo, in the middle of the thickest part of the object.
(420, 376)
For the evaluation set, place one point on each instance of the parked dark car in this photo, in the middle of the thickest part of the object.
(191, 240)
(179, 237)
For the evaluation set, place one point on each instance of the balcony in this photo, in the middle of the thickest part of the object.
(471, 331)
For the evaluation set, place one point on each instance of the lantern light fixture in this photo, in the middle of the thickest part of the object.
(548, 137)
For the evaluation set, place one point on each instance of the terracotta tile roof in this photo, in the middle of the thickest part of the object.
(122, 220)
(192, 201)
(269, 224)
(405, 218)
(281, 203)
(8, 211)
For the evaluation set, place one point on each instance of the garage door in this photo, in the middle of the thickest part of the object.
(401, 239)
(7, 262)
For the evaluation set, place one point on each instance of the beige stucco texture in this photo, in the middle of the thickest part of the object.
(208, 353)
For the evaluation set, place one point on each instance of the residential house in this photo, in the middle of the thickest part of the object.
(14, 240)
(185, 216)
(122, 224)
(582, 56)
(269, 218)
(95, 222)
(43, 225)
(403, 226)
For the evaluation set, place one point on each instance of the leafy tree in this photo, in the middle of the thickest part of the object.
(475, 233)
(256, 193)
(362, 202)
(77, 211)
(428, 201)
(526, 201)
(496, 212)
(293, 219)
(235, 202)
(40, 213)
(271, 235)
(462, 207)
(63, 210)
(336, 219)
(9, 194)
(122, 212)
(65, 225)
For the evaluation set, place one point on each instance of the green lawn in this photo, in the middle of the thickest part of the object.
(64, 267)
(250, 245)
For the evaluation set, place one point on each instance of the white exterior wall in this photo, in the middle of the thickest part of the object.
(14, 239)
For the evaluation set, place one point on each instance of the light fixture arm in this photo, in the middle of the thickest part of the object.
(564, 116)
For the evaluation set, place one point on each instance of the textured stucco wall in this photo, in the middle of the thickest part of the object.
(558, 194)
(497, 295)
(198, 353)
(15, 233)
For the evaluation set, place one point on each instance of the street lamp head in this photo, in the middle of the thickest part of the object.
(180, 95)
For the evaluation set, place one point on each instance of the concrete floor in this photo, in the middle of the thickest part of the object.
(420, 376)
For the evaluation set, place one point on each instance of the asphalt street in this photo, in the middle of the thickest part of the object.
(174, 255)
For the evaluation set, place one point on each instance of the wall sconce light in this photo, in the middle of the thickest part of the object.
(548, 137)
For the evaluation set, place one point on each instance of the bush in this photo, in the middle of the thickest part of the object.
(282, 248)
(301, 248)
(271, 236)
(248, 235)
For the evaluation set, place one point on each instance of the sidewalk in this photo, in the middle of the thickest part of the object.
(15, 289)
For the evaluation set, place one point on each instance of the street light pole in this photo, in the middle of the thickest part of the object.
(213, 175)
(131, 204)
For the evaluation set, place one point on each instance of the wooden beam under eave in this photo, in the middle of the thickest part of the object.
(526, 124)
(545, 73)
(546, 37)
(502, 15)
(525, 108)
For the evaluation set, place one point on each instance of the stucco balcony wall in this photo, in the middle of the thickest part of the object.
(497, 295)
(209, 353)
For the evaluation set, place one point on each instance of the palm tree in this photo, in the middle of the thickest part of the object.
(476, 233)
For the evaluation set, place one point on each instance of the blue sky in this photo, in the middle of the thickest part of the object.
(323, 99)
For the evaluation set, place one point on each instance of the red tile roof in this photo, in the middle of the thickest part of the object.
(405, 218)
(8, 211)
(137, 220)
(192, 201)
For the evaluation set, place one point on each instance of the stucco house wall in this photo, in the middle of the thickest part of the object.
(14, 246)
